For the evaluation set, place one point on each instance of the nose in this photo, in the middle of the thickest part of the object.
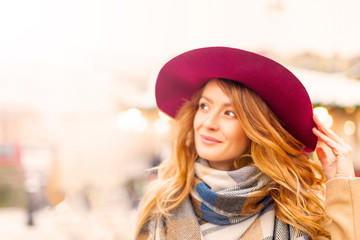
(212, 121)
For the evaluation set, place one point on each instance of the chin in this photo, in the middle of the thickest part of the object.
(210, 157)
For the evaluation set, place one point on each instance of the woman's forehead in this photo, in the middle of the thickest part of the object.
(213, 91)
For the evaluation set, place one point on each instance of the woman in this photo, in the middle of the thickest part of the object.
(240, 168)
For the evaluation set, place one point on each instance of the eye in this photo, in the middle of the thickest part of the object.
(230, 114)
(203, 106)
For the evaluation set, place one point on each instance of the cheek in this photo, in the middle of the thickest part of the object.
(239, 138)
(196, 122)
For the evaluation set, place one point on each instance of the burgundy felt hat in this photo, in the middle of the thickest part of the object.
(186, 73)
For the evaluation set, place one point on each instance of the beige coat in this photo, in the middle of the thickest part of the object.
(343, 207)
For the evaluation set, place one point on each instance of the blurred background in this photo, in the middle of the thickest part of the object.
(78, 119)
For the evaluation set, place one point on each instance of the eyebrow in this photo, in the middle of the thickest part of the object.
(211, 101)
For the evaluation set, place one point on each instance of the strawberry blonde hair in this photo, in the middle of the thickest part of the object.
(298, 181)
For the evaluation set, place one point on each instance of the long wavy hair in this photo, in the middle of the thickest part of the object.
(298, 181)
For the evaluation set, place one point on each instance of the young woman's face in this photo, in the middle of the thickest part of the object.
(219, 135)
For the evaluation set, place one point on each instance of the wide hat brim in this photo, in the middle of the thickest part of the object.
(186, 73)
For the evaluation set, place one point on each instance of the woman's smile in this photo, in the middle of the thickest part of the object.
(209, 140)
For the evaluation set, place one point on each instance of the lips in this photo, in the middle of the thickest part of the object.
(209, 140)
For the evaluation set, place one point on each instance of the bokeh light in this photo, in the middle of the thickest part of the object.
(324, 116)
(349, 128)
(132, 119)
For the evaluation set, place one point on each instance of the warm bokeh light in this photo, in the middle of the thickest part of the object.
(349, 128)
(324, 116)
(161, 126)
(132, 119)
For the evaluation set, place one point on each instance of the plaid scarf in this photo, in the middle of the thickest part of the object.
(223, 205)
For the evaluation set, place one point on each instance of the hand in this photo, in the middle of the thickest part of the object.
(341, 164)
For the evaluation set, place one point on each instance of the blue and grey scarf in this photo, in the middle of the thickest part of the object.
(224, 205)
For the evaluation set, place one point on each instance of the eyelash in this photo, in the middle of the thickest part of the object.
(228, 113)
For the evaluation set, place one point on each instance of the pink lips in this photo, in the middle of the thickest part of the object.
(209, 140)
